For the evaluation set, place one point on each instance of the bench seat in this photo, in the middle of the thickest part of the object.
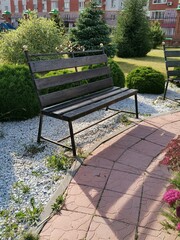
(74, 109)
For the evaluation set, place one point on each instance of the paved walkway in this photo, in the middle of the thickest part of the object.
(117, 192)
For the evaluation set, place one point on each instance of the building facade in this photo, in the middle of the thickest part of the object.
(166, 12)
(69, 9)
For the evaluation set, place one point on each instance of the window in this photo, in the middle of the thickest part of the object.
(113, 3)
(44, 6)
(81, 4)
(99, 2)
(34, 4)
(66, 6)
(16, 8)
(54, 5)
(159, 1)
(23, 5)
(113, 17)
(157, 15)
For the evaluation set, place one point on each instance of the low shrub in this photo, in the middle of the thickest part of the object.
(116, 72)
(146, 80)
(17, 95)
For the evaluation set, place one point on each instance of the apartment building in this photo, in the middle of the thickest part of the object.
(69, 9)
(166, 12)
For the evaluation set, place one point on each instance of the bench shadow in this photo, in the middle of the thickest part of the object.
(117, 187)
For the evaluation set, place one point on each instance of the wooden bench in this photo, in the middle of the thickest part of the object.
(172, 63)
(88, 90)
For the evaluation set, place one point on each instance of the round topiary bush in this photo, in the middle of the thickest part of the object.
(17, 95)
(146, 80)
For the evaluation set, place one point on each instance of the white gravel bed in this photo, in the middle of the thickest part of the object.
(16, 165)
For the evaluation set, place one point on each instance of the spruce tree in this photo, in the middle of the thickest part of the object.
(91, 30)
(157, 34)
(133, 35)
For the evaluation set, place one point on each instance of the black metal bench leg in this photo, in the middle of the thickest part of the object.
(72, 139)
(40, 127)
(165, 90)
(136, 105)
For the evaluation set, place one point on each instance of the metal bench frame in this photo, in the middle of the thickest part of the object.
(172, 61)
(75, 102)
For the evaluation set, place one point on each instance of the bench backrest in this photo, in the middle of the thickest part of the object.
(59, 88)
(172, 62)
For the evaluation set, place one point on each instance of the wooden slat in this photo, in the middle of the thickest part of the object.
(172, 53)
(173, 63)
(174, 73)
(75, 114)
(57, 64)
(80, 102)
(42, 83)
(67, 94)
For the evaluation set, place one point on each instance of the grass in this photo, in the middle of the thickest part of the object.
(154, 59)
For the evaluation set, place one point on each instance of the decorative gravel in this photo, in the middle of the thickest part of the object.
(20, 167)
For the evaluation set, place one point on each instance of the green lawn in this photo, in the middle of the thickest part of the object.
(154, 59)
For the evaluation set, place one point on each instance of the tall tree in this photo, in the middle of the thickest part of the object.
(133, 35)
(91, 30)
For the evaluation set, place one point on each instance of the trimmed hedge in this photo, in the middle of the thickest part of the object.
(17, 95)
(146, 80)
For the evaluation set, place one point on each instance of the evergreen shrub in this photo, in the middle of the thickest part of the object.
(116, 72)
(133, 35)
(146, 80)
(91, 31)
(17, 95)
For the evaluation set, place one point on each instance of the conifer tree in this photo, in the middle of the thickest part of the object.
(133, 35)
(157, 34)
(91, 30)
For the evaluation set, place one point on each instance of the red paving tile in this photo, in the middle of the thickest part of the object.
(172, 128)
(82, 198)
(117, 192)
(125, 183)
(150, 214)
(142, 130)
(151, 234)
(104, 229)
(158, 170)
(98, 162)
(154, 188)
(148, 148)
(157, 121)
(160, 137)
(133, 158)
(91, 176)
(68, 225)
(126, 141)
(119, 206)
(110, 153)
(129, 169)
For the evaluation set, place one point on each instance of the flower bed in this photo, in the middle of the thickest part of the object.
(172, 195)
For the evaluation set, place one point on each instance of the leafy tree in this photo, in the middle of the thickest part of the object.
(157, 34)
(39, 34)
(91, 30)
(133, 35)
